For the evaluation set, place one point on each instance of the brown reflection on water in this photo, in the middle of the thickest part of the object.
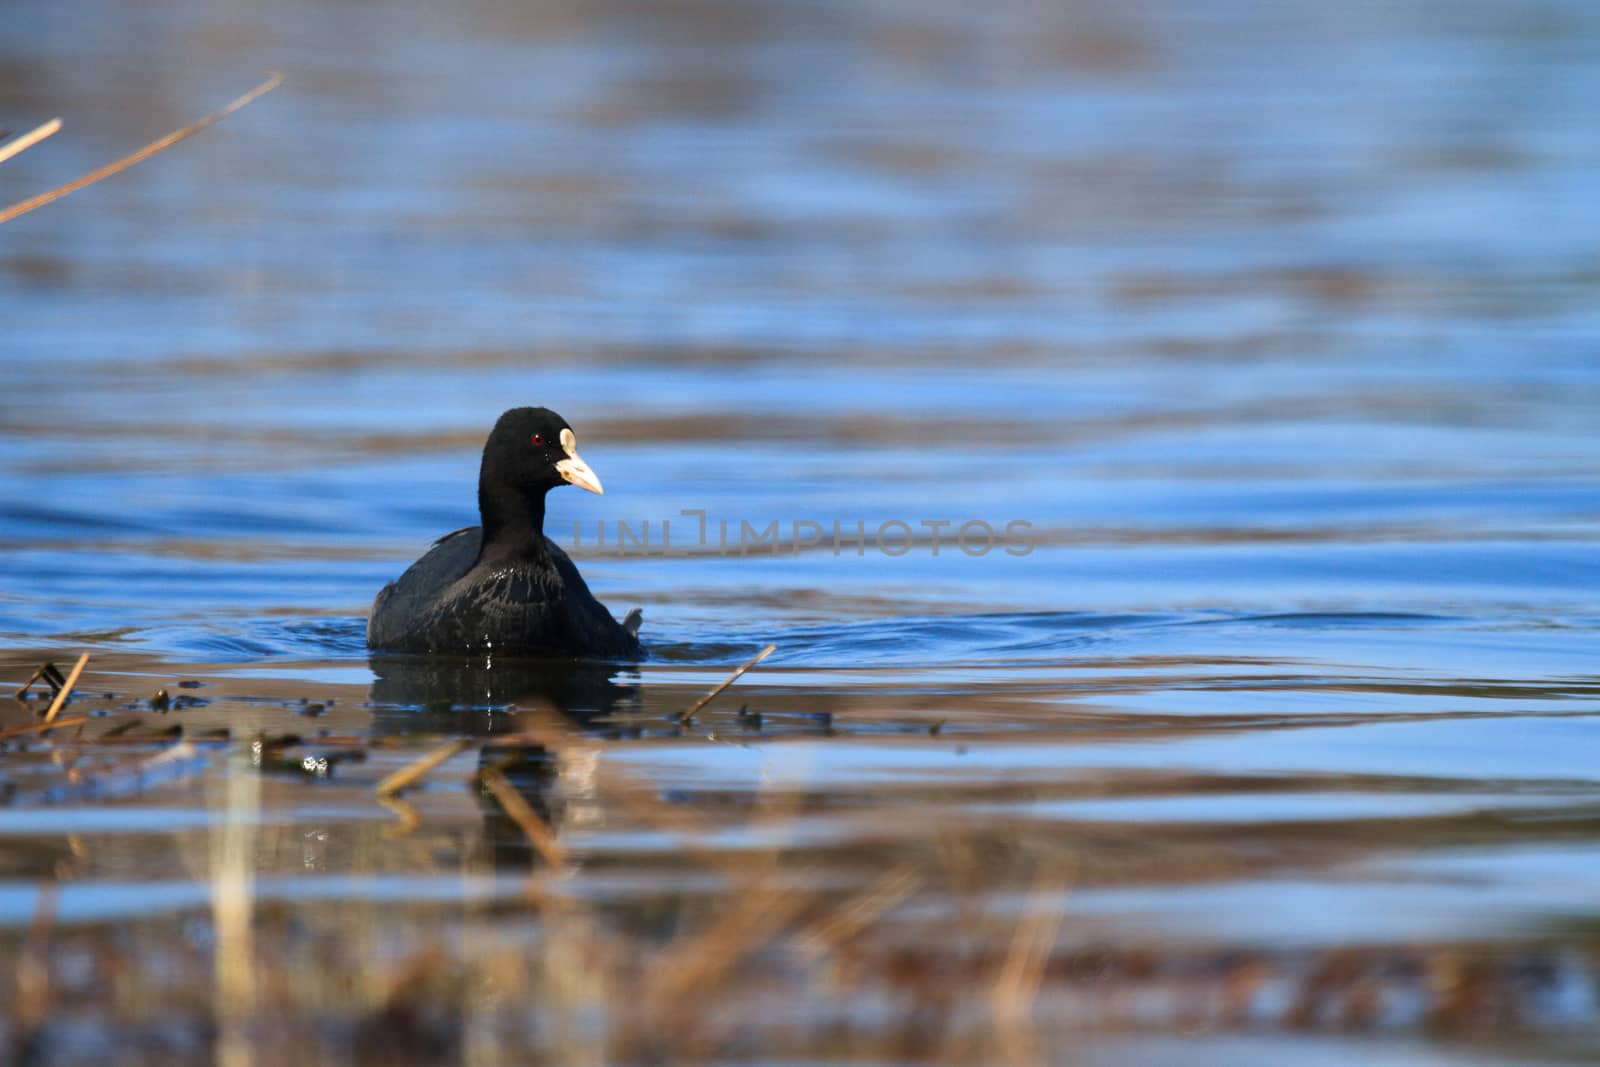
(725, 884)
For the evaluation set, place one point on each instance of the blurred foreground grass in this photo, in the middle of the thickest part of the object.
(178, 891)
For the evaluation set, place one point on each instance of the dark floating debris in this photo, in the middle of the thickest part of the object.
(265, 743)
(46, 672)
(751, 720)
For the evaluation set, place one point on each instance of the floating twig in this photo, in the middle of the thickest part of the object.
(25, 206)
(66, 689)
(414, 771)
(29, 139)
(685, 716)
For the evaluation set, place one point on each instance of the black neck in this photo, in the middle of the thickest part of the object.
(513, 524)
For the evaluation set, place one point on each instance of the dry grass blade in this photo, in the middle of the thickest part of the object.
(409, 819)
(66, 690)
(533, 827)
(1016, 988)
(32, 995)
(685, 716)
(29, 139)
(43, 727)
(414, 771)
(858, 913)
(25, 206)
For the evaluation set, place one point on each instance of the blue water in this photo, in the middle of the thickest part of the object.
(1270, 327)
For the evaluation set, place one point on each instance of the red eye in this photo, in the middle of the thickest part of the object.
(538, 441)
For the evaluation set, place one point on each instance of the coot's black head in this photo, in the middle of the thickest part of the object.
(534, 449)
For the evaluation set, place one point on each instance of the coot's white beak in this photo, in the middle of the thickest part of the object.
(574, 469)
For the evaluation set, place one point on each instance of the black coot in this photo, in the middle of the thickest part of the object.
(503, 586)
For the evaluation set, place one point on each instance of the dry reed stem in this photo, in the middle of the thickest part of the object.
(232, 912)
(534, 828)
(696, 967)
(66, 689)
(33, 993)
(43, 727)
(1016, 988)
(409, 819)
(685, 716)
(32, 203)
(29, 139)
(414, 771)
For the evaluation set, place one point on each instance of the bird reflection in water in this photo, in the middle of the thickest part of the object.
(480, 696)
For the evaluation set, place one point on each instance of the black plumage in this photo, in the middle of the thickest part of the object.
(504, 587)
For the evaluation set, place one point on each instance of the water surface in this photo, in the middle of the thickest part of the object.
(1272, 326)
